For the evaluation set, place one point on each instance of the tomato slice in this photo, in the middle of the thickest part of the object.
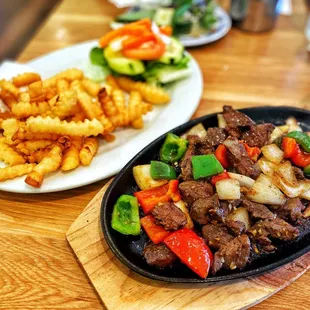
(220, 177)
(133, 41)
(221, 155)
(167, 30)
(153, 51)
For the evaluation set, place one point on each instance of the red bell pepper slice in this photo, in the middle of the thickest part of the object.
(289, 146)
(221, 155)
(192, 251)
(300, 158)
(253, 152)
(155, 232)
(149, 198)
(220, 177)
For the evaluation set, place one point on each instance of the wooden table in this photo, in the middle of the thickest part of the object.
(37, 268)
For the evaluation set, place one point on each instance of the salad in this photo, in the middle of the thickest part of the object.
(192, 17)
(142, 51)
(220, 198)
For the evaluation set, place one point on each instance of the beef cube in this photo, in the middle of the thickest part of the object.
(291, 210)
(201, 207)
(258, 211)
(169, 216)
(237, 227)
(237, 122)
(216, 236)
(299, 174)
(158, 255)
(193, 190)
(276, 228)
(215, 136)
(258, 135)
(239, 158)
(235, 254)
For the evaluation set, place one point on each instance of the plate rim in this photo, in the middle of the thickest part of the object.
(195, 101)
(106, 227)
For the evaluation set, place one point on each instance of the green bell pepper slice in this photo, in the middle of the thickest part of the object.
(205, 166)
(96, 57)
(307, 171)
(160, 170)
(125, 216)
(173, 148)
(301, 138)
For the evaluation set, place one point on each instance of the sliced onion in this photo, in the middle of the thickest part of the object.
(264, 191)
(273, 153)
(266, 166)
(221, 121)
(197, 130)
(277, 133)
(242, 215)
(228, 189)
(243, 180)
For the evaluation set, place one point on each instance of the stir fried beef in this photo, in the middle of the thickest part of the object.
(219, 212)
(237, 227)
(277, 228)
(258, 211)
(169, 216)
(216, 236)
(201, 207)
(292, 210)
(193, 190)
(215, 136)
(158, 255)
(234, 254)
(258, 135)
(240, 160)
(237, 122)
(186, 162)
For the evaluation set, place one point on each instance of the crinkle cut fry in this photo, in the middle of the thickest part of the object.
(71, 158)
(9, 156)
(26, 79)
(9, 173)
(8, 98)
(48, 164)
(112, 82)
(22, 134)
(91, 87)
(10, 126)
(26, 109)
(10, 87)
(88, 151)
(29, 147)
(55, 125)
(69, 75)
(107, 103)
(150, 93)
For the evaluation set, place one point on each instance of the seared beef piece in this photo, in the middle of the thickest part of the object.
(234, 254)
(201, 207)
(237, 227)
(169, 216)
(216, 235)
(186, 162)
(303, 226)
(258, 135)
(215, 136)
(193, 190)
(219, 212)
(239, 158)
(237, 122)
(158, 255)
(291, 211)
(299, 174)
(258, 211)
(276, 228)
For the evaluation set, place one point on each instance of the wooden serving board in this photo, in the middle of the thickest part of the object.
(121, 288)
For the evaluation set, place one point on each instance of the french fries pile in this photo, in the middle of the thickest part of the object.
(56, 123)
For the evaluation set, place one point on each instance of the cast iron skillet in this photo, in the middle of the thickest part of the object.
(129, 249)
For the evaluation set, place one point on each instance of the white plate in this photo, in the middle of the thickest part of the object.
(222, 27)
(112, 157)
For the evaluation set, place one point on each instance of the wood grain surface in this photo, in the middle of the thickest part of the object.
(120, 288)
(38, 270)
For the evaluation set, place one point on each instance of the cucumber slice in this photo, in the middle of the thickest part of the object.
(173, 54)
(120, 64)
(132, 16)
(167, 75)
(164, 16)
